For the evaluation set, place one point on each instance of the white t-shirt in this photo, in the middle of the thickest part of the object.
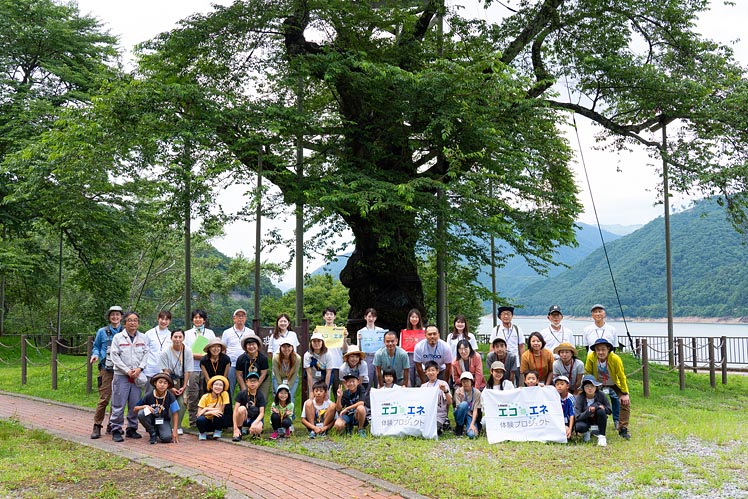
(158, 340)
(232, 338)
(274, 345)
(439, 353)
(592, 333)
(513, 336)
(189, 338)
(554, 338)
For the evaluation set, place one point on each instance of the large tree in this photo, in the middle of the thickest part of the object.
(396, 101)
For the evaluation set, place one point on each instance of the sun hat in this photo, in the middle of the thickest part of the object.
(505, 309)
(603, 341)
(237, 311)
(285, 341)
(353, 350)
(283, 386)
(317, 336)
(588, 378)
(467, 375)
(212, 343)
(165, 376)
(565, 346)
(250, 337)
(218, 378)
(113, 308)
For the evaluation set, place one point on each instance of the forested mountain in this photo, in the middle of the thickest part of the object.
(710, 269)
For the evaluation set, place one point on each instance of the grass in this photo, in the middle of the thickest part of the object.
(695, 440)
(34, 464)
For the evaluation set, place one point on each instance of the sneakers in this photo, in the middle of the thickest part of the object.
(458, 430)
(132, 433)
(153, 438)
(180, 431)
(96, 433)
(362, 433)
(245, 431)
(624, 433)
(202, 437)
(288, 432)
(602, 441)
(217, 434)
(274, 435)
(594, 430)
(586, 436)
(312, 434)
(237, 438)
(117, 436)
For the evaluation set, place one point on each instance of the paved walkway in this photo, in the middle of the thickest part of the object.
(241, 471)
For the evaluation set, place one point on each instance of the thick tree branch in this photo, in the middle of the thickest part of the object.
(547, 13)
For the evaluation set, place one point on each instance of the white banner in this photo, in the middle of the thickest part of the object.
(523, 415)
(399, 411)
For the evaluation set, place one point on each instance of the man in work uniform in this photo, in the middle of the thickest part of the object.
(101, 345)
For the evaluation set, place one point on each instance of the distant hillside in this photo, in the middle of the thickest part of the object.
(516, 274)
(621, 230)
(710, 269)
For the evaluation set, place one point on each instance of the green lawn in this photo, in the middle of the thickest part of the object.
(694, 441)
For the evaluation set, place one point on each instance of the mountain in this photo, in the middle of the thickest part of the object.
(710, 269)
(516, 274)
(621, 230)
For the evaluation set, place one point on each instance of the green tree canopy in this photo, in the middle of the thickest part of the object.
(392, 108)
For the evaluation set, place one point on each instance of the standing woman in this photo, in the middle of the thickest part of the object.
(460, 332)
(537, 358)
(286, 364)
(173, 361)
(282, 331)
(202, 334)
(414, 322)
(468, 360)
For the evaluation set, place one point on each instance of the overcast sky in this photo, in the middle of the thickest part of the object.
(624, 185)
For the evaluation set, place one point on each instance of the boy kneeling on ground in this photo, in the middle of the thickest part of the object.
(351, 406)
(319, 412)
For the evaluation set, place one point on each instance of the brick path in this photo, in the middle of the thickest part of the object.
(242, 470)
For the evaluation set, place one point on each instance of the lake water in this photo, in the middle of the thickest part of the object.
(683, 329)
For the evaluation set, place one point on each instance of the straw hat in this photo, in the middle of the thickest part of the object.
(354, 350)
(565, 346)
(162, 376)
(218, 378)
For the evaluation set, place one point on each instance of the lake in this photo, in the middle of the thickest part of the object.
(680, 329)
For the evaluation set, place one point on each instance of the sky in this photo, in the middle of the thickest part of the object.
(623, 184)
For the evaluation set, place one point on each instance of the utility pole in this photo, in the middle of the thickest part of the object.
(258, 234)
(300, 211)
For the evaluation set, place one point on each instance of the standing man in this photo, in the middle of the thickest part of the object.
(512, 335)
(433, 348)
(555, 333)
(128, 357)
(232, 338)
(599, 328)
(199, 320)
(101, 345)
(158, 339)
(391, 356)
(336, 353)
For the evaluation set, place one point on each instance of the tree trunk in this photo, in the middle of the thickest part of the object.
(384, 277)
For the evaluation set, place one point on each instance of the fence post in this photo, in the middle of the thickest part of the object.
(724, 360)
(23, 359)
(89, 367)
(54, 362)
(645, 367)
(712, 375)
(693, 355)
(638, 348)
(681, 366)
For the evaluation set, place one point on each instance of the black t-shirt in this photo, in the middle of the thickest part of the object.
(150, 400)
(223, 361)
(349, 398)
(246, 366)
(251, 402)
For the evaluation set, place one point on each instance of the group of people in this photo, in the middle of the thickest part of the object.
(197, 373)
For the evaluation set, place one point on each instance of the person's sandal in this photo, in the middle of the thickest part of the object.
(237, 438)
